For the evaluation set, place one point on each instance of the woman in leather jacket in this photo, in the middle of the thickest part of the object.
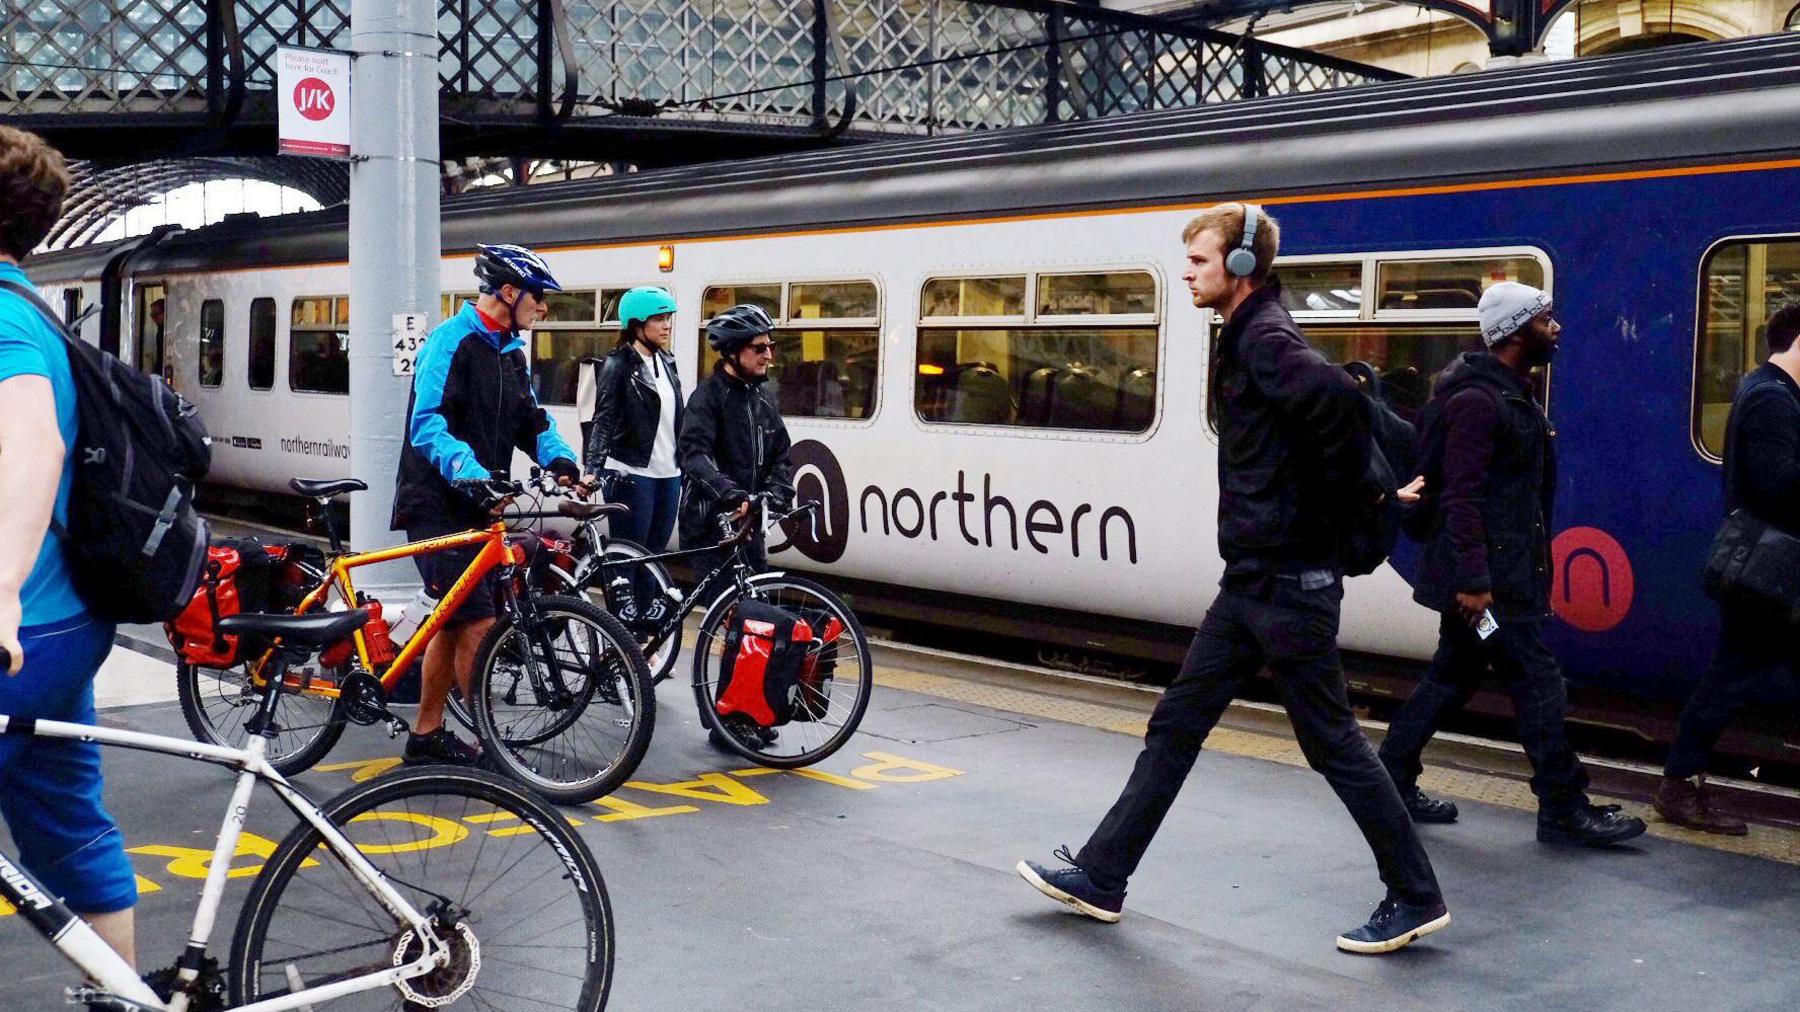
(637, 408)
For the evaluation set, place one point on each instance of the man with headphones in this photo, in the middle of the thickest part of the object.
(1293, 442)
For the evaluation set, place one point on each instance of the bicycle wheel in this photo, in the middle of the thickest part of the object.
(801, 742)
(514, 892)
(217, 704)
(621, 556)
(563, 700)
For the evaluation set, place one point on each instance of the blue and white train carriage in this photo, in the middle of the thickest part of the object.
(994, 375)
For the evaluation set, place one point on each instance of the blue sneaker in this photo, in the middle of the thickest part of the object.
(1071, 886)
(1394, 925)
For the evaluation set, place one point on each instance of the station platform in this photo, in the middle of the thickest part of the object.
(883, 879)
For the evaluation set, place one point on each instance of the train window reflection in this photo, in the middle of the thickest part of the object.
(1122, 293)
(570, 307)
(1092, 378)
(261, 359)
(1452, 285)
(722, 297)
(827, 344)
(211, 363)
(557, 355)
(832, 300)
(1322, 288)
(319, 346)
(973, 297)
(1741, 285)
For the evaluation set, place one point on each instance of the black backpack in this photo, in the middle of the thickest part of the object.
(134, 541)
(1371, 530)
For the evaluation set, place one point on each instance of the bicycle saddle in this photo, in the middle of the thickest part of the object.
(588, 510)
(327, 487)
(314, 630)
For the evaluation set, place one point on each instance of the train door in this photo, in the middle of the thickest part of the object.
(151, 330)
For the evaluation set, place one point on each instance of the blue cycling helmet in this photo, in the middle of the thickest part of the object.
(640, 304)
(513, 265)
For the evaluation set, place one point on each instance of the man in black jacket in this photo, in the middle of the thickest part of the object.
(1293, 443)
(1490, 480)
(733, 442)
(1762, 477)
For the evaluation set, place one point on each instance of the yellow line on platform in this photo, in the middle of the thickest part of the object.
(1764, 841)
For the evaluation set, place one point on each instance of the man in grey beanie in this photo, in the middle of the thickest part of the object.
(1490, 477)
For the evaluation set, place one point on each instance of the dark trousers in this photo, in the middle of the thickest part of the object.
(1518, 655)
(1295, 631)
(653, 503)
(1753, 655)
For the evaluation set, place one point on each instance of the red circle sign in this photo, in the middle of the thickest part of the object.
(313, 99)
(1592, 581)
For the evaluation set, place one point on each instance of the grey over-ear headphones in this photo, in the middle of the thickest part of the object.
(1241, 262)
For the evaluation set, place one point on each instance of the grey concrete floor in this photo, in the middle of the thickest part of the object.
(787, 892)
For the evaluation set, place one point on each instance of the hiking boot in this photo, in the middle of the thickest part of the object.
(1426, 809)
(1395, 925)
(1589, 826)
(1071, 886)
(1687, 803)
(440, 748)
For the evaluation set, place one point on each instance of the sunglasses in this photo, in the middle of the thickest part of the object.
(761, 348)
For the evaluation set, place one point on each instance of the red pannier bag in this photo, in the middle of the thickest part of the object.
(239, 575)
(759, 676)
(818, 667)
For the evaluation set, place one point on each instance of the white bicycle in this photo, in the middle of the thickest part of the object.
(425, 888)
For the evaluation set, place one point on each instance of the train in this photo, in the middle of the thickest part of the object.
(994, 377)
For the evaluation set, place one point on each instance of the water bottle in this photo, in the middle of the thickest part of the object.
(411, 616)
(624, 601)
(665, 602)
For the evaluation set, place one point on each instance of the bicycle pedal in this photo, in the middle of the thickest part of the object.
(396, 727)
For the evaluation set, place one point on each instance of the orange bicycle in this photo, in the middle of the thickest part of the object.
(560, 697)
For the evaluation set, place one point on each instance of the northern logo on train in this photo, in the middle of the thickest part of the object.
(822, 534)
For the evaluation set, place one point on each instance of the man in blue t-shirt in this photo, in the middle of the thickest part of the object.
(49, 788)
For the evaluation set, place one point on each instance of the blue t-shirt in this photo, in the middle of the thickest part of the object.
(28, 347)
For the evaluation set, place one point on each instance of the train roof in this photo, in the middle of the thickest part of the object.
(1727, 101)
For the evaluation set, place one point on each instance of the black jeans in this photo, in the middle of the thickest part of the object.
(1753, 654)
(1518, 655)
(1295, 632)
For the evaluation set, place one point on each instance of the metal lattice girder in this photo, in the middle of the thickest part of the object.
(197, 76)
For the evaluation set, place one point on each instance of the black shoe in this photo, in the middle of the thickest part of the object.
(1072, 886)
(745, 730)
(441, 748)
(1394, 925)
(1589, 826)
(1426, 809)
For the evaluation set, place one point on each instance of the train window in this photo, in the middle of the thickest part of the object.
(973, 297)
(262, 344)
(1451, 285)
(570, 307)
(556, 358)
(319, 346)
(1322, 287)
(1741, 285)
(1406, 355)
(71, 305)
(451, 303)
(722, 297)
(827, 343)
(1095, 372)
(1125, 293)
(212, 342)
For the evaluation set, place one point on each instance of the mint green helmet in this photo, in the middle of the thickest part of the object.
(640, 304)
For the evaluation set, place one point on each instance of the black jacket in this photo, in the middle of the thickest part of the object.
(1489, 527)
(1293, 440)
(627, 408)
(1762, 449)
(732, 440)
(472, 404)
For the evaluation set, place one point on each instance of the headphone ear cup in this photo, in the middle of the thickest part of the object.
(1240, 263)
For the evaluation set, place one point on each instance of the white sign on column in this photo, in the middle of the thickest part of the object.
(312, 92)
(409, 337)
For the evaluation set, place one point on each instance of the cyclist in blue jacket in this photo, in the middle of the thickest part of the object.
(472, 406)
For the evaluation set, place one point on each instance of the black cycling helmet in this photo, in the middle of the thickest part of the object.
(736, 327)
(498, 265)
